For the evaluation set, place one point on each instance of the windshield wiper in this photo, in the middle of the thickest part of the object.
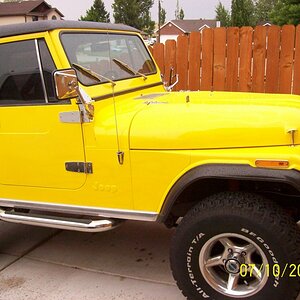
(128, 69)
(91, 74)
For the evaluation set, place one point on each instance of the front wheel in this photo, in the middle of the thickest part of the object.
(236, 246)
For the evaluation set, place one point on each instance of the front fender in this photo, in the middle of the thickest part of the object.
(226, 171)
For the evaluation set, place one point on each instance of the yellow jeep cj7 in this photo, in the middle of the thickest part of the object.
(90, 137)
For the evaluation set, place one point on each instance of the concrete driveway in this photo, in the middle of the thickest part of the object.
(130, 262)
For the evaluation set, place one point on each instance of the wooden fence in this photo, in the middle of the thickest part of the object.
(260, 59)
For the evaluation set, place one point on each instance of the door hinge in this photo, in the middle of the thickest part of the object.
(79, 167)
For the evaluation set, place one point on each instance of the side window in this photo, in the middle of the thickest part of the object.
(48, 68)
(20, 77)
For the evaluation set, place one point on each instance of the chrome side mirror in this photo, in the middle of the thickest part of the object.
(66, 84)
(66, 87)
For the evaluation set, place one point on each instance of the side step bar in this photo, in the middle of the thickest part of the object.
(85, 225)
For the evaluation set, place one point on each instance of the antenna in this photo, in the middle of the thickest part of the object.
(177, 11)
(159, 19)
(120, 154)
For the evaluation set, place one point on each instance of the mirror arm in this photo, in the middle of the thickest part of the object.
(86, 103)
(170, 87)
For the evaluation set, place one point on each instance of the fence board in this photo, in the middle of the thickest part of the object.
(286, 58)
(182, 62)
(158, 53)
(296, 83)
(259, 59)
(232, 59)
(207, 59)
(273, 51)
(246, 37)
(264, 59)
(219, 59)
(170, 59)
(194, 61)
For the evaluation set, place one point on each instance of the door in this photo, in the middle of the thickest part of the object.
(35, 143)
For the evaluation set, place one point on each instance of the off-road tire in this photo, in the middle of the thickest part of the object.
(252, 219)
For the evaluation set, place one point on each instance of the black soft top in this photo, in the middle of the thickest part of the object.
(40, 26)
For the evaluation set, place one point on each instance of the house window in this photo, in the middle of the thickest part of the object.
(35, 18)
(54, 18)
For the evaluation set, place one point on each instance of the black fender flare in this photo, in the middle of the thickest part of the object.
(226, 171)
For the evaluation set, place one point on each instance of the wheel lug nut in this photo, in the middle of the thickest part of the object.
(244, 253)
(230, 250)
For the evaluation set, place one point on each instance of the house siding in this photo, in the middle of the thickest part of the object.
(27, 11)
(27, 19)
(164, 38)
(12, 20)
(170, 29)
(52, 14)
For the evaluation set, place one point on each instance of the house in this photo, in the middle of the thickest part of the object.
(264, 23)
(27, 11)
(172, 29)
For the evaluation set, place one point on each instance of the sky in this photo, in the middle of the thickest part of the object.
(193, 9)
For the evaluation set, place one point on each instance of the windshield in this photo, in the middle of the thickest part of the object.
(98, 52)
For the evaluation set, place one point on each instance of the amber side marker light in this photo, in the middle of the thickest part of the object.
(276, 164)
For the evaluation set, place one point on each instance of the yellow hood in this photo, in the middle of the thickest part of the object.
(203, 120)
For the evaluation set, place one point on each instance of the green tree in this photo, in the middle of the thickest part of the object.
(286, 12)
(163, 15)
(263, 9)
(223, 15)
(96, 13)
(181, 14)
(177, 10)
(242, 13)
(135, 13)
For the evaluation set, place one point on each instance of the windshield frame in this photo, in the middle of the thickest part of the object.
(109, 34)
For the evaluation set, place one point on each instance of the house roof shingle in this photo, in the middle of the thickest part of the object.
(22, 7)
(188, 26)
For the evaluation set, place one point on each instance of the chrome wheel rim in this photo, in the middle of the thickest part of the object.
(220, 262)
